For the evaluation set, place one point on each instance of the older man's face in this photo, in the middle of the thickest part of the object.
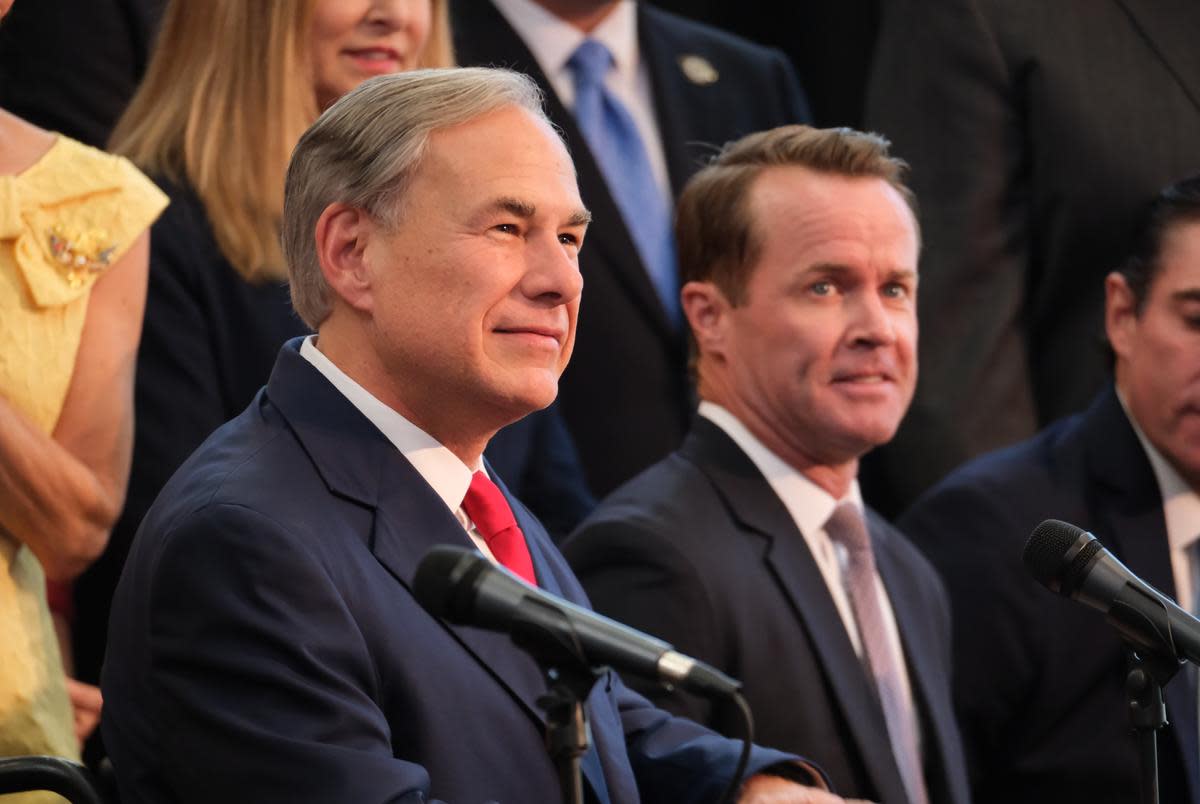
(477, 288)
(1158, 351)
(822, 352)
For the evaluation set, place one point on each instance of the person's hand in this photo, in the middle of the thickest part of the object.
(86, 702)
(765, 789)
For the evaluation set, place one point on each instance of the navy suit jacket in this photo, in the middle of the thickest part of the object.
(266, 645)
(1039, 679)
(699, 550)
(628, 357)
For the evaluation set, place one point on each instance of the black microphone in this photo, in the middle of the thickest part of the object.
(1070, 561)
(462, 586)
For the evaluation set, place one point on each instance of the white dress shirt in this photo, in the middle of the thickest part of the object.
(1181, 510)
(552, 42)
(439, 467)
(810, 507)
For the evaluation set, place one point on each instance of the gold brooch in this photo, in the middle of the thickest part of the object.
(80, 253)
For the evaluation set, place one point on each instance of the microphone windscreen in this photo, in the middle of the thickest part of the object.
(1048, 545)
(439, 577)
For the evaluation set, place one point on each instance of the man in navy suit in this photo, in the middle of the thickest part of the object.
(688, 88)
(266, 643)
(750, 547)
(1039, 680)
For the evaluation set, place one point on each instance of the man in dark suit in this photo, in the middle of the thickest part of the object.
(1039, 680)
(1035, 132)
(266, 642)
(748, 547)
(688, 88)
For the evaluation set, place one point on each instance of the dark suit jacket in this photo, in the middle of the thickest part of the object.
(700, 551)
(71, 66)
(1036, 131)
(208, 344)
(266, 645)
(625, 396)
(1039, 679)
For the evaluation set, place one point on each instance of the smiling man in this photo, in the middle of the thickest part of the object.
(265, 642)
(750, 546)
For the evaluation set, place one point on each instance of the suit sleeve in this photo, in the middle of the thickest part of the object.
(674, 758)
(640, 579)
(944, 92)
(263, 686)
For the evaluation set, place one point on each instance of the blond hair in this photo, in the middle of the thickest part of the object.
(365, 147)
(225, 98)
(715, 231)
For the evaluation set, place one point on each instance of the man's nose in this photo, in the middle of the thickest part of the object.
(871, 321)
(552, 273)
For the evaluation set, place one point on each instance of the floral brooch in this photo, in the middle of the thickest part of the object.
(80, 253)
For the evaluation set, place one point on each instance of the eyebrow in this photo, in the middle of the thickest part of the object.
(837, 269)
(1187, 295)
(526, 210)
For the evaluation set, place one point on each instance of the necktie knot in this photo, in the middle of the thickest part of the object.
(493, 518)
(847, 527)
(590, 62)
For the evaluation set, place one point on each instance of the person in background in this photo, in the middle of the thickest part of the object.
(750, 547)
(1035, 132)
(642, 96)
(73, 264)
(1039, 680)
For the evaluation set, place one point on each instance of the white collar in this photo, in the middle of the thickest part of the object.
(1181, 503)
(552, 40)
(809, 504)
(440, 468)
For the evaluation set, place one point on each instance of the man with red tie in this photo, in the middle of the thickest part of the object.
(265, 642)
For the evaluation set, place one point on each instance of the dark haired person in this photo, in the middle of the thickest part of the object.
(1039, 679)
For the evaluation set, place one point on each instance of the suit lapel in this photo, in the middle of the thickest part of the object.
(1170, 28)
(1130, 523)
(358, 463)
(679, 108)
(758, 509)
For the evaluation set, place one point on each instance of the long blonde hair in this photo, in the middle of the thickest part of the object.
(226, 96)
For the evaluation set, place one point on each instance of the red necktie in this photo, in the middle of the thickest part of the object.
(494, 520)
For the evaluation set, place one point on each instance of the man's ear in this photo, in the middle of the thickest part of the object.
(707, 312)
(342, 234)
(1120, 313)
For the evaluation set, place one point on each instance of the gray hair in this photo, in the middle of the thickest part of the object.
(366, 147)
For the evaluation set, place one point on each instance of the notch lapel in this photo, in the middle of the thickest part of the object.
(788, 560)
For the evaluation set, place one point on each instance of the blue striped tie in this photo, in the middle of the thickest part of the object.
(613, 139)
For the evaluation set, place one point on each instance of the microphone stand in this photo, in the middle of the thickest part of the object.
(570, 680)
(1148, 713)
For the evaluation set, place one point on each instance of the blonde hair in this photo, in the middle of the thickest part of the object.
(225, 98)
(363, 150)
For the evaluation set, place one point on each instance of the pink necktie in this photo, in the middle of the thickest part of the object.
(846, 527)
(494, 520)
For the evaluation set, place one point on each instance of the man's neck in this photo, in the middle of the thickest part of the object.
(584, 15)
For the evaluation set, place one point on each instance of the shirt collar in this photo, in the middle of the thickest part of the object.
(552, 41)
(1181, 504)
(809, 504)
(439, 467)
